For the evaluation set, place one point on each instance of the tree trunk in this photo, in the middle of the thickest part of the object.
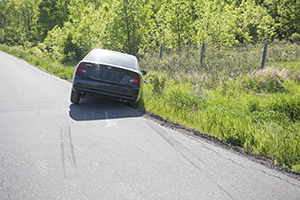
(126, 17)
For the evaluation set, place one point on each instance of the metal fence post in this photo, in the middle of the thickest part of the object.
(264, 56)
(161, 49)
(202, 53)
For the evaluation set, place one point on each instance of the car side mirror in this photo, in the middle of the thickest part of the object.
(143, 73)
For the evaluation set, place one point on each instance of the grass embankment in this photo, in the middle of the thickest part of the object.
(64, 71)
(227, 97)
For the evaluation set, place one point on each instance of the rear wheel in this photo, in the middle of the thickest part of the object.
(135, 104)
(75, 97)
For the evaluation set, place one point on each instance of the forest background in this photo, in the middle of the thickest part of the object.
(70, 28)
(227, 96)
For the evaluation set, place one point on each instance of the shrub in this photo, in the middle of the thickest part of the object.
(295, 37)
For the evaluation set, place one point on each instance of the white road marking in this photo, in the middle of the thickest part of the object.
(109, 122)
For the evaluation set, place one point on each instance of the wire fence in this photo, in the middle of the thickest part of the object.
(214, 62)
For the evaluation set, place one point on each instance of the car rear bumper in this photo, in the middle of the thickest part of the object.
(109, 90)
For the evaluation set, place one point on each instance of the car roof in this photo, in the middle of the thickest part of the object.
(115, 58)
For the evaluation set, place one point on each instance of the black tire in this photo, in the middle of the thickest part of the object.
(75, 97)
(135, 104)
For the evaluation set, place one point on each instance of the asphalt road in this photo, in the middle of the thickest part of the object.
(51, 149)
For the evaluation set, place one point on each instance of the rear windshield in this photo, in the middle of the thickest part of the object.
(113, 58)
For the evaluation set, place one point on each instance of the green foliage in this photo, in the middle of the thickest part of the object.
(295, 37)
(117, 25)
(32, 55)
(70, 49)
(289, 106)
(125, 25)
(288, 17)
(158, 82)
(17, 23)
(296, 168)
(51, 13)
(215, 22)
(176, 22)
(254, 23)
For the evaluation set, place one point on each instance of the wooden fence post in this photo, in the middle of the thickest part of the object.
(264, 56)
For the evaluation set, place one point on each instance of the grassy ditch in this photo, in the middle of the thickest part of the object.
(228, 96)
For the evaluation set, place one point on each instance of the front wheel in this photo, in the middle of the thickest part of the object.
(75, 97)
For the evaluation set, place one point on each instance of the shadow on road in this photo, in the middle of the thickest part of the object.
(97, 108)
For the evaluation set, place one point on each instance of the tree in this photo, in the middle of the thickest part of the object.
(289, 18)
(254, 23)
(51, 13)
(73, 27)
(175, 22)
(2, 20)
(16, 23)
(125, 25)
(216, 22)
(83, 31)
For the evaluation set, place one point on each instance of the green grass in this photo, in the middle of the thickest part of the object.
(292, 65)
(64, 71)
(265, 123)
(228, 96)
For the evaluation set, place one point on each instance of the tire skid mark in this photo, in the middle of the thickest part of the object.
(198, 163)
(67, 153)
(1, 184)
(3, 178)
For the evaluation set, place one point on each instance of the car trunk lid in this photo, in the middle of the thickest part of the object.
(107, 73)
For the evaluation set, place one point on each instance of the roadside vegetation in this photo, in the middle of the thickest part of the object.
(227, 95)
(232, 98)
(62, 70)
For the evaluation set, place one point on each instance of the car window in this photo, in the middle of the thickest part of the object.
(112, 58)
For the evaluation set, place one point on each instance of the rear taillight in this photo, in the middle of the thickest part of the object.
(81, 69)
(135, 79)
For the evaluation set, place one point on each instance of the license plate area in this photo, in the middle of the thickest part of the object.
(108, 75)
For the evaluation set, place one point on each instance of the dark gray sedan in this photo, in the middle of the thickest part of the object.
(111, 74)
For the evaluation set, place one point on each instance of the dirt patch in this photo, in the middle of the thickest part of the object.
(245, 153)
